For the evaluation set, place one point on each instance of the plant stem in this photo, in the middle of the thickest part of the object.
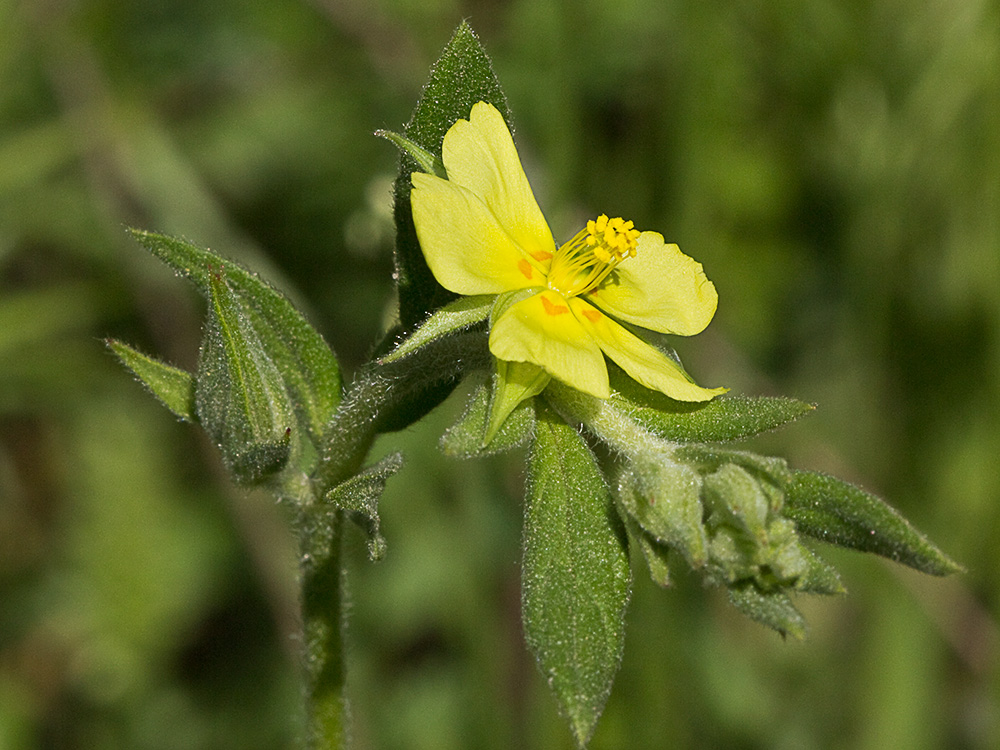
(323, 624)
(351, 433)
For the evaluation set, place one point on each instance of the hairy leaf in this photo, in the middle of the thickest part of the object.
(656, 553)
(576, 577)
(664, 498)
(455, 316)
(171, 385)
(462, 76)
(771, 608)
(723, 419)
(305, 361)
(839, 513)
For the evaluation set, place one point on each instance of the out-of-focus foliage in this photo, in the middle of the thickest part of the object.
(835, 166)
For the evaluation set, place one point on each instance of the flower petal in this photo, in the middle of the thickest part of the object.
(661, 288)
(479, 154)
(465, 247)
(643, 362)
(541, 329)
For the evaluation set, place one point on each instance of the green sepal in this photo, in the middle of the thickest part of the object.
(240, 397)
(656, 554)
(173, 386)
(839, 513)
(513, 384)
(428, 162)
(359, 497)
(576, 578)
(709, 458)
(723, 419)
(465, 439)
(820, 577)
(305, 361)
(462, 76)
(463, 313)
(771, 608)
(664, 498)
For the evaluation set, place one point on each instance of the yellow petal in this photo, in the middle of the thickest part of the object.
(661, 288)
(542, 330)
(465, 247)
(644, 363)
(479, 154)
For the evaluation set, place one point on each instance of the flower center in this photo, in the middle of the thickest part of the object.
(584, 262)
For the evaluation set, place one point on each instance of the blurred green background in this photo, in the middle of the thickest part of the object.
(835, 166)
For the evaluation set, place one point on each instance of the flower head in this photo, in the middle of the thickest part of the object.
(482, 232)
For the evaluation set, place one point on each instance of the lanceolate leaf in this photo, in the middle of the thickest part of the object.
(575, 576)
(840, 513)
(723, 419)
(171, 385)
(305, 361)
(462, 313)
(462, 76)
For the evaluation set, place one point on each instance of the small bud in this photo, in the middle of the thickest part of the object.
(663, 497)
(734, 496)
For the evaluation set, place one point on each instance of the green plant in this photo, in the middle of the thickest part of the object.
(617, 467)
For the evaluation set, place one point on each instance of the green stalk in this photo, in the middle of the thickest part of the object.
(611, 425)
(377, 393)
(323, 630)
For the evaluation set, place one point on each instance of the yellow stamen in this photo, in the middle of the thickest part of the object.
(586, 260)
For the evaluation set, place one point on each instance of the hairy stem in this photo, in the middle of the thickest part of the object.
(601, 418)
(377, 397)
(323, 625)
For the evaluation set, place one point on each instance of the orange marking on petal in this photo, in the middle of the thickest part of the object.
(592, 315)
(541, 256)
(525, 268)
(553, 309)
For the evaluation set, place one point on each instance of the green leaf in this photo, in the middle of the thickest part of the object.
(305, 361)
(455, 316)
(171, 385)
(575, 577)
(465, 438)
(839, 513)
(721, 420)
(240, 397)
(462, 76)
(359, 496)
(772, 608)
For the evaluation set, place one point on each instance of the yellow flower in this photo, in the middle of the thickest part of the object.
(482, 232)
